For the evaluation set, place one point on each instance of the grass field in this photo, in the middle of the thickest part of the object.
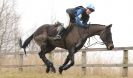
(73, 72)
(32, 74)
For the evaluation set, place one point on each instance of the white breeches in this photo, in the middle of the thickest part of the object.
(63, 18)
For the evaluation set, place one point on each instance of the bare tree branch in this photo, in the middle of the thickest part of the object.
(8, 25)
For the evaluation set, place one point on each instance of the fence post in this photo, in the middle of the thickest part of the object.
(84, 62)
(20, 62)
(125, 62)
(51, 57)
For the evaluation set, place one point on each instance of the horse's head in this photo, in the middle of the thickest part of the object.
(106, 37)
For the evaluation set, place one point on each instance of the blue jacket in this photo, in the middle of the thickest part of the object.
(80, 16)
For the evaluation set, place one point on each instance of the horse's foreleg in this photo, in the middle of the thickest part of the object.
(70, 58)
(71, 63)
(80, 42)
(61, 67)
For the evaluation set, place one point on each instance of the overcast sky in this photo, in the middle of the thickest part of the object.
(35, 13)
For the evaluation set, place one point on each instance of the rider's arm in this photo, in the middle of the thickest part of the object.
(78, 17)
(85, 21)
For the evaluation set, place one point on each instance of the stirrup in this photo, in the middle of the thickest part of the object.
(57, 37)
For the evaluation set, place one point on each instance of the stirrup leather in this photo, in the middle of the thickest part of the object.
(57, 37)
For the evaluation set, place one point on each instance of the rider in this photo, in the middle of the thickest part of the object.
(78, 15)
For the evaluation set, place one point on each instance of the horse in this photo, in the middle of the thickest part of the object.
(72, 40)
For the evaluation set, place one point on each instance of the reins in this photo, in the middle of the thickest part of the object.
(96, 42)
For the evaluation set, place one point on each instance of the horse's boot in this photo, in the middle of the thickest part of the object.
(60, 33)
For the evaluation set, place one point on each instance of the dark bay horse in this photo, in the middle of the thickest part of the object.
(73, 40)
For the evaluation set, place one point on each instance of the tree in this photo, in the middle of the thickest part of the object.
(8, 26)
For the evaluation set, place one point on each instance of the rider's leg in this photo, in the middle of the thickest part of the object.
(62, 28)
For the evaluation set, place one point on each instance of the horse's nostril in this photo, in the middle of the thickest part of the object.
(110, 47)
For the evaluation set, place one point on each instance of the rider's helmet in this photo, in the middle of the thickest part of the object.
(91, 7)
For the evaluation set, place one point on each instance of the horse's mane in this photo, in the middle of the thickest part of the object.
(96, 24)
(53, 27)
(74, 24)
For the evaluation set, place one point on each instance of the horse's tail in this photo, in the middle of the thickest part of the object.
(25, 44)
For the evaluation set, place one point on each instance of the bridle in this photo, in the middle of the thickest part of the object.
(96, 42)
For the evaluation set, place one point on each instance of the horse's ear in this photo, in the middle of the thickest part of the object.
(57, 22)
(109, 26)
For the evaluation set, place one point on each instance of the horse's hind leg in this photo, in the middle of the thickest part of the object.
(42, 53)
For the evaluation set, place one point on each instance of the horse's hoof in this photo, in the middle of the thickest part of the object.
(53, 70)
(60, 70)
(47, 70)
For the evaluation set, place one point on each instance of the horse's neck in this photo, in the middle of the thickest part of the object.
(94, 30)
(81, 31)
(78, 32)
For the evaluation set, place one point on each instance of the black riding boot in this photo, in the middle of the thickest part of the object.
(60, 33)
